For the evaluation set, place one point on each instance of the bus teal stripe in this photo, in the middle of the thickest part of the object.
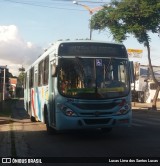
(39, 103)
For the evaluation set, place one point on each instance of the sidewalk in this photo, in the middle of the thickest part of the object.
(8, 139)
(6, 119)
(20, 104)
(144, 106)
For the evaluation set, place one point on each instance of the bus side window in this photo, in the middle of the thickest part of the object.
(46, 70)
(40, 73)
(31, 77)
(25, 81)
(53, 70)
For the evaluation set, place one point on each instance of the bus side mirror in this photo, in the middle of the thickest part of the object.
(54, 70)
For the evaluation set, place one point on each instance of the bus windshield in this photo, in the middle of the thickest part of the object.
(93, 78)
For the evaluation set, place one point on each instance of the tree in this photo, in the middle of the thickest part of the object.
(20, 82)
(21, 76)
(135, 17)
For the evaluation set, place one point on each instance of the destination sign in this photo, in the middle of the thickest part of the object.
(92, 49)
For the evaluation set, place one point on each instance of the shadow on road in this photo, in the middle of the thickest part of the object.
(18, 111)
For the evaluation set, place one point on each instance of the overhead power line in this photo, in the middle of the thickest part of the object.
(101, 2)
(52, 2)
(41, 5)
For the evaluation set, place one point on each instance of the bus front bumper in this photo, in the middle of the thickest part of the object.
(67, 123)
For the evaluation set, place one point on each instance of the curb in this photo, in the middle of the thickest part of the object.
(145, 109)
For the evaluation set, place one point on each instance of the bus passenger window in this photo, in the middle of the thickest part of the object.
(40, 73)
(46, 70)
(31, 77)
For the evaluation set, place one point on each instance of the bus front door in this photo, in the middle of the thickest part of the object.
(52, 103)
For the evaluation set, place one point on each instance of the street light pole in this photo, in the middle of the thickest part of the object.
(4, 83)
(91, 11)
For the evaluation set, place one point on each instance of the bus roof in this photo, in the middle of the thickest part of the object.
(56, 44)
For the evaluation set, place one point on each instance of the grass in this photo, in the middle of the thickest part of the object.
(6, 107)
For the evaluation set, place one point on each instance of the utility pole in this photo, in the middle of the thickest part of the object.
(91, 11)
(4, 83)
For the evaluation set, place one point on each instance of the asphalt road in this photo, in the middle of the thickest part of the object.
(21, 138)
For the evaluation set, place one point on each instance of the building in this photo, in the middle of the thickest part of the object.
(4, 83)
(13, 85)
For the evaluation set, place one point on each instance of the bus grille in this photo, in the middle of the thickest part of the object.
(95, 113)
(96, 121)
(102, 106)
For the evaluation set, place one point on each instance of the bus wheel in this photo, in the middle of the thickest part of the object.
(106, 130)
(33, 119)
(50, 130)
(29, 113)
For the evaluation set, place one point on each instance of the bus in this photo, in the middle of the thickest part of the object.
(80, 84)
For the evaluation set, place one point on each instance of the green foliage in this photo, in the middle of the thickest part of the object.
(20, 79)
(122, 17)
(135, 17)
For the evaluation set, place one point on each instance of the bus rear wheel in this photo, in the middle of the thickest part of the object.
(34, 119)
(50, 130)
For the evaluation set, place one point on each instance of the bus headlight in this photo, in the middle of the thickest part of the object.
(67, 111)
(124, 109)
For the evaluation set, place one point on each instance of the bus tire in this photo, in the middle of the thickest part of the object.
(27, 107)
(32, 119)
(29, 112)
(50, 130)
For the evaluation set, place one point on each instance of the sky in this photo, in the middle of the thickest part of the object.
(27, 27)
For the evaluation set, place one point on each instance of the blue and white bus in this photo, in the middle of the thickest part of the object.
(80, 85)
